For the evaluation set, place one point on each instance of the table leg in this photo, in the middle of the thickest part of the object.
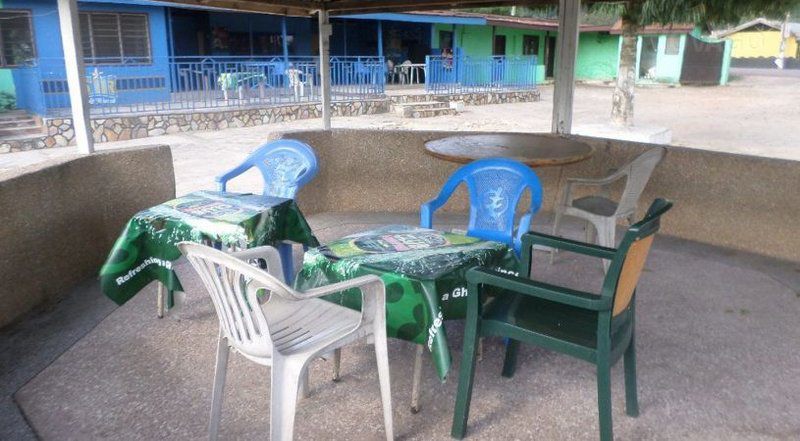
(337, 361)
(160, 299)
(417, 379)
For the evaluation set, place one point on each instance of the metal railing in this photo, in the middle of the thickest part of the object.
(197, 83)
(465, 74)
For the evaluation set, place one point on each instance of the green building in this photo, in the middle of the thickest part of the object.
(665, 54)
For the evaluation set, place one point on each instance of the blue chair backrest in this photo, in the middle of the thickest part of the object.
(285, 164)
(495, 187)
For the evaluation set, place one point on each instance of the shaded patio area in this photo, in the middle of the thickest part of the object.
(710, 365)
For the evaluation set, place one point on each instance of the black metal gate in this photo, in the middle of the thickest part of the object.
(702, 62)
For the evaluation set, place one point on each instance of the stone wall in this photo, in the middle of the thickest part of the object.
(740, 202)
(120, 128)
(61, 217)
(472, 99)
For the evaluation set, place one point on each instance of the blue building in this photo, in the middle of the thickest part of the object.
(142, 56)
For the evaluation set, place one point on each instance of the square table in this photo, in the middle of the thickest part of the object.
(424, 271)
(147, 247)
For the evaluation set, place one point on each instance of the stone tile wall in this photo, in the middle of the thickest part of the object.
(59, 131)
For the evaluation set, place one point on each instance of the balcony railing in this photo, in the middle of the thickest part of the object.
(197, 83)
(465, 74)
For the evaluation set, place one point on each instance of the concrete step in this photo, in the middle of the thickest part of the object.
(22, 122)
(424, 109)
(21, 132)
(20, 125)
(14, 115)
(425, 105)
(427, 113)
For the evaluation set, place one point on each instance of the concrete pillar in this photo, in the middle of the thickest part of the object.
(325, 67)
(284, 40)
(73, 62)
(566, 56)
(380, 38)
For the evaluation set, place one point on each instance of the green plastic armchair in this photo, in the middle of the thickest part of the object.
(595, 328)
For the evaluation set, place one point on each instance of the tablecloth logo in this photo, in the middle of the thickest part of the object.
(398, 242)
(457, 293)
(506, 271)
(149, 261)
(209, 209)
(434, 329)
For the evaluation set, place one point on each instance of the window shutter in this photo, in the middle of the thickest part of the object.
(17, 38)
(86, 36)
(135, 41)
(105, 36)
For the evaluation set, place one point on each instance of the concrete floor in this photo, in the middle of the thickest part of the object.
(717, 336)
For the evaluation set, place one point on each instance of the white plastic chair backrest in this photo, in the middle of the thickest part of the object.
(232, 284)
(638, 171)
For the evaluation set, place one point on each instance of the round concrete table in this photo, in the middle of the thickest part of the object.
(529, 148)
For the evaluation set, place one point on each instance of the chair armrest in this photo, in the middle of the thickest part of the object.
(566, 199)
(541, 290)
(373, 296)
(223, 179)
(269, 254)
(530, 239)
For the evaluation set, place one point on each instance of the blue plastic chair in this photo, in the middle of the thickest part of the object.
(495, 188)
(286, 165)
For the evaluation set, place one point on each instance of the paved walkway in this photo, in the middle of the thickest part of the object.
(756, 115)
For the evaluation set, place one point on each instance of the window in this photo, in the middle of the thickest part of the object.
(530, 45)
(112, 38)
(673, 45)
(16, 38)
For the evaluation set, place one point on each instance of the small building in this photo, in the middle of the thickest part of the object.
(761, 43)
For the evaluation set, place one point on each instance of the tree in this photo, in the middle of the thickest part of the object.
(636, 14)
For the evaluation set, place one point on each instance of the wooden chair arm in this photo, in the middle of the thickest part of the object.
(546, 291)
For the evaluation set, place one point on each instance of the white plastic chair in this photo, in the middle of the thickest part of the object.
(601, 212)
(287, 330)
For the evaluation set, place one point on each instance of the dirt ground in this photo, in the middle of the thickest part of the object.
(756, 115)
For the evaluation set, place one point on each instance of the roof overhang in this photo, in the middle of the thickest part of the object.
(304, 8)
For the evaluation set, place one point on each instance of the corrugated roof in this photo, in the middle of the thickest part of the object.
(674, 28)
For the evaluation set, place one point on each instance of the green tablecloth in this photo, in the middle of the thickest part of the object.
(147, 247)
(424, 272)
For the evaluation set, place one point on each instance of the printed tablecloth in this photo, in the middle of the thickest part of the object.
(424, 272)
(147, 247)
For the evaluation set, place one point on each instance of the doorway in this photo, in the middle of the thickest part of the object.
(499, 45)
(549, 56)
(648, 57)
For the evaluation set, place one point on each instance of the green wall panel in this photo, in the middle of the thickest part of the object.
(598, 56)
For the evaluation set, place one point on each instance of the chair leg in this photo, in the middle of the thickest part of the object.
(465, 381)
(382, 356)
(631, 393)
(510, 362)
(283, 400)
(556, 228)
(416, 379)
(337, 362)
(220, 371)
(605, 237)
(303, 386)
(590, 230)
(604, 400)
(287, 261)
